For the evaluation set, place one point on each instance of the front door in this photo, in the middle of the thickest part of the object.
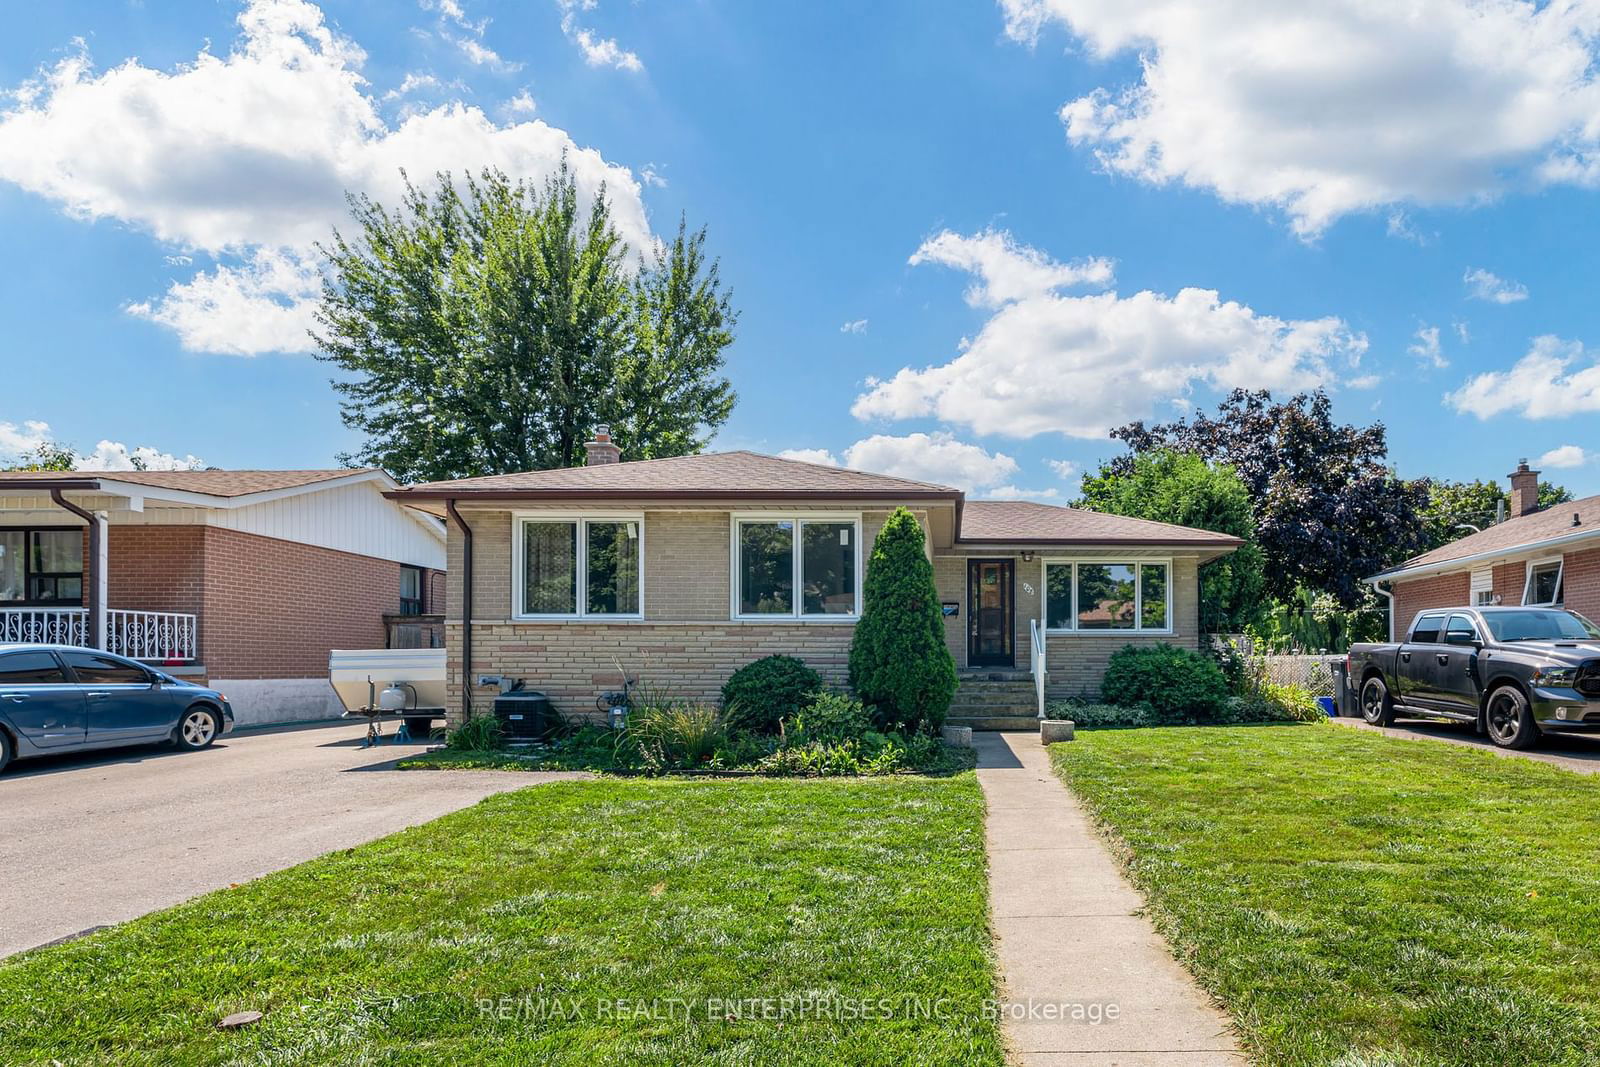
(990, 640)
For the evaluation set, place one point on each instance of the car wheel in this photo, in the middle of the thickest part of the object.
(5, 750)
(1509, 719)
(197, 729)
(1376, 707)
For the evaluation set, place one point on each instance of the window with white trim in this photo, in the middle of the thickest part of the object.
(572, 568)
(1544, 583)
(1482, 582)
(794, 567)
(1090, 596)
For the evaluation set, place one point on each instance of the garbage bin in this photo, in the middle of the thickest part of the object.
(1343, 699)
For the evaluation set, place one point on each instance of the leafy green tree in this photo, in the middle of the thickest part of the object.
(900, 666)
(1182, 488)
(489, 329)
(48, 456)
(1328, 509)
(1453, 506)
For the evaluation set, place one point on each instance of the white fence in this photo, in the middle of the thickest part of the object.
(159, 636)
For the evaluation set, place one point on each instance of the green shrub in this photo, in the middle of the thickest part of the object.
(481, 733)
(675, 736)
(900, 666)
(1099, 716)
(1177, 684)
(761, 695)
(1293, 702)
(832, 717)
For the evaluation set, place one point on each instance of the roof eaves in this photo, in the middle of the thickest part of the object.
(1458, 562)
(672, 494)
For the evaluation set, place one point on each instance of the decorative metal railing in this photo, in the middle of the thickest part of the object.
(159, 636)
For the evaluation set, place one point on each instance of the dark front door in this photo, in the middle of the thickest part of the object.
(990, 638)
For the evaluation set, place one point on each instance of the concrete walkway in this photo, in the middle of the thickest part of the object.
(1087, 979)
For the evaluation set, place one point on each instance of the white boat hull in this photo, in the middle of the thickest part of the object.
(359, 675)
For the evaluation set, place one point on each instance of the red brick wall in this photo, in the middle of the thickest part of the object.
(1508, 582)
(274, 608)
(1439, 591)
(1581, 577)
(155, 568)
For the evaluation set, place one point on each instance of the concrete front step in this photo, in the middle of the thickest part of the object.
(991, 700)
(995, 722)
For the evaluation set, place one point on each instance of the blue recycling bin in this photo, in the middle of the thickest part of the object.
(1328, 707)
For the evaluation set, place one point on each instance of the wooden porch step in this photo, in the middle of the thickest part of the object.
(1020, 723)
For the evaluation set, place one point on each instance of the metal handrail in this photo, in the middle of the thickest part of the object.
(1036, 633)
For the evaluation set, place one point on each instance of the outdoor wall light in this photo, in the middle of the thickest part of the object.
(1027, 557)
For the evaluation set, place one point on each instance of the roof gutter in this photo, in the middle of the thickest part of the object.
(50, 484)
(665, 494)
(96, 613)
(1401, 573)
(1377, 587)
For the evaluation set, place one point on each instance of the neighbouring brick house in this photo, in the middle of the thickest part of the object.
(1533, 557)
(678, 571)
(243, 578)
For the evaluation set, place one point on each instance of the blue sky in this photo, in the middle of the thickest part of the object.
(962, 246)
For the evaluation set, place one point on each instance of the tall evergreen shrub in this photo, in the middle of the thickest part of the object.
(900, 666)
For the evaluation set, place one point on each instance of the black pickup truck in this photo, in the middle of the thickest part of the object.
(1514, 672)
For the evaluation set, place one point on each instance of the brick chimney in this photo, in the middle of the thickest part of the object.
(603, 450)
(1524, 490)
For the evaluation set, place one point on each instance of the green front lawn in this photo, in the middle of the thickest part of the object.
(606, 922)
(1358, 900)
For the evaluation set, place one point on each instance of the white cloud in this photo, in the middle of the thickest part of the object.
(265, 304)
(250, 154)
(1542, 384)
(1400, 226)
(411, 83)
(1078, 365)
(16, 442)
(523, 104)
(482, 55)
(854, 326)
(936, 457)
(651, 176)
(1364, 381)
(115, 456)
(597, 51)
(1482, 285)
(1012, 492)
(1425, 348)
(1006, 270)
(1462, 332)
(820, 456)
(1064, 468)
(1337, 106)
(1564, 457)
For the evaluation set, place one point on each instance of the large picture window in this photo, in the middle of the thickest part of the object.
(795, 567)
(570, 568)
(41, 566)
(1091, 596)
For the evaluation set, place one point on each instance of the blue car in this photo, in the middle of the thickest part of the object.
(58, 698)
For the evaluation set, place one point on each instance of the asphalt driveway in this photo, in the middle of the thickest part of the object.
(103, 837)
(1575, 752)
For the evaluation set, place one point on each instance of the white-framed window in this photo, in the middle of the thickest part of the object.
(577, 566)
(1108, 596)
(1482, 582)
(787, 567)
(1544, 584)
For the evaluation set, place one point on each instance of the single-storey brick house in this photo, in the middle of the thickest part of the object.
(678, 571)
(245, 579)
(1533, 557)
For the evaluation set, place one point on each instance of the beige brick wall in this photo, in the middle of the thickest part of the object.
(687, 643)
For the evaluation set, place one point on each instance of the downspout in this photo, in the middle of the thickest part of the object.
(97, 607)
(1381, 591)
(466, 609)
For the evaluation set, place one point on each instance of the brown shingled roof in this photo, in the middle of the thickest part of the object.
(218, 483)
(1014, 521)
(1514, 534)
(713, 473)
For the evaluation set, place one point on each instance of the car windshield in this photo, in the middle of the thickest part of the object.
(1540, 626)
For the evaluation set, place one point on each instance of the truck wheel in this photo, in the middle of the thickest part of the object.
(1510, 720)
(1376, 706)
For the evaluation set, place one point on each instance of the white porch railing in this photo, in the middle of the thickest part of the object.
(1036, 634)
(159, 636)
